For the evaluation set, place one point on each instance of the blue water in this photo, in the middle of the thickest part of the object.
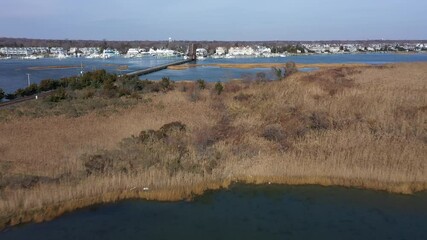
(13, 73)
(209, 73)
(247, 212)
(212, 74)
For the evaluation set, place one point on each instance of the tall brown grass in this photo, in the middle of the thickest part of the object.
(351, 126)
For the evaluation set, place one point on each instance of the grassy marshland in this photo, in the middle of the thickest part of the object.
(358, 126)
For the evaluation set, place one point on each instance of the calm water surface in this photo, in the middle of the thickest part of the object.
(223, 74)
(247, 212)
(13, 72)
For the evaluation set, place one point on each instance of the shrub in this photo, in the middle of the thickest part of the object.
(201, 83)
(87, 93)
(2, 94)
(10, 96)
(28, 91)
(243, 97)
(165, 148)
(183, 88)
(319, 121)
(48, 84)
(162, 133)
(261, 77)
(278, 72)
(135, 95)
(219, 88)
(58, 95)
(274, 132)
(31, 90)
(148, 86)
(194, 94)
(173, 126)
(97, 164)
(166, 84)
(232, 87)
(290, 68)
(19, 92)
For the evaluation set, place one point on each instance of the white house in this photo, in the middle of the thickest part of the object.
(220, 51)
(241, 51)
(201, 53)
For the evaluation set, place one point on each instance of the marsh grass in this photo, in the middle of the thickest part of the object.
(350, 126)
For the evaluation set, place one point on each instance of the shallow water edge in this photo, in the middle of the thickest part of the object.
(188, 193)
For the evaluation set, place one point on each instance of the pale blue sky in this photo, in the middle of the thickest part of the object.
(214, 19)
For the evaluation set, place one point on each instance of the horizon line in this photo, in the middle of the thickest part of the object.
(189, 40)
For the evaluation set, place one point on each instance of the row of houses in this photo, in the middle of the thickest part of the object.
(59, 52)
(17, 51)
(320, 49)
(243, 51)
(140, 52)
(93, 52)
(352, 48)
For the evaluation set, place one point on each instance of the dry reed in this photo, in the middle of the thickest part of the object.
(356, 126)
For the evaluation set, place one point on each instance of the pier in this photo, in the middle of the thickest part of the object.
(158, 68)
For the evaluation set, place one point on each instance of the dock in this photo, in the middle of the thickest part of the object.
(159, 68)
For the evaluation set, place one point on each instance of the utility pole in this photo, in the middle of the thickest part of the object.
(29, 82)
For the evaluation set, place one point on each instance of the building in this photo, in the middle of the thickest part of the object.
(241, 51)
(220, 51)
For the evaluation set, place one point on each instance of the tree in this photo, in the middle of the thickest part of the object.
(2, 95)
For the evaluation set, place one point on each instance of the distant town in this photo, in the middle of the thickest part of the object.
(20, 49)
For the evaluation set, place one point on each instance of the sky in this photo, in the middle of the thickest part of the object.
(229, 20)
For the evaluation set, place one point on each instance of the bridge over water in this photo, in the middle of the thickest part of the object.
(191, 58)
(158, 68)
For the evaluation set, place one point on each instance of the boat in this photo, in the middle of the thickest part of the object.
(30, 57)
(108, 53)
(93, 55)
(61, 56)
(201, 53)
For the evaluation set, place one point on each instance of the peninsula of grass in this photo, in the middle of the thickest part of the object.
(266, 65)
(114, 138)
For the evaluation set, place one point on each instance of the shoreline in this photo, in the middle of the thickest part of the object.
(52, 67)
(188, 193)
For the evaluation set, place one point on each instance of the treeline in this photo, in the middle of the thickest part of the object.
(97, 83)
